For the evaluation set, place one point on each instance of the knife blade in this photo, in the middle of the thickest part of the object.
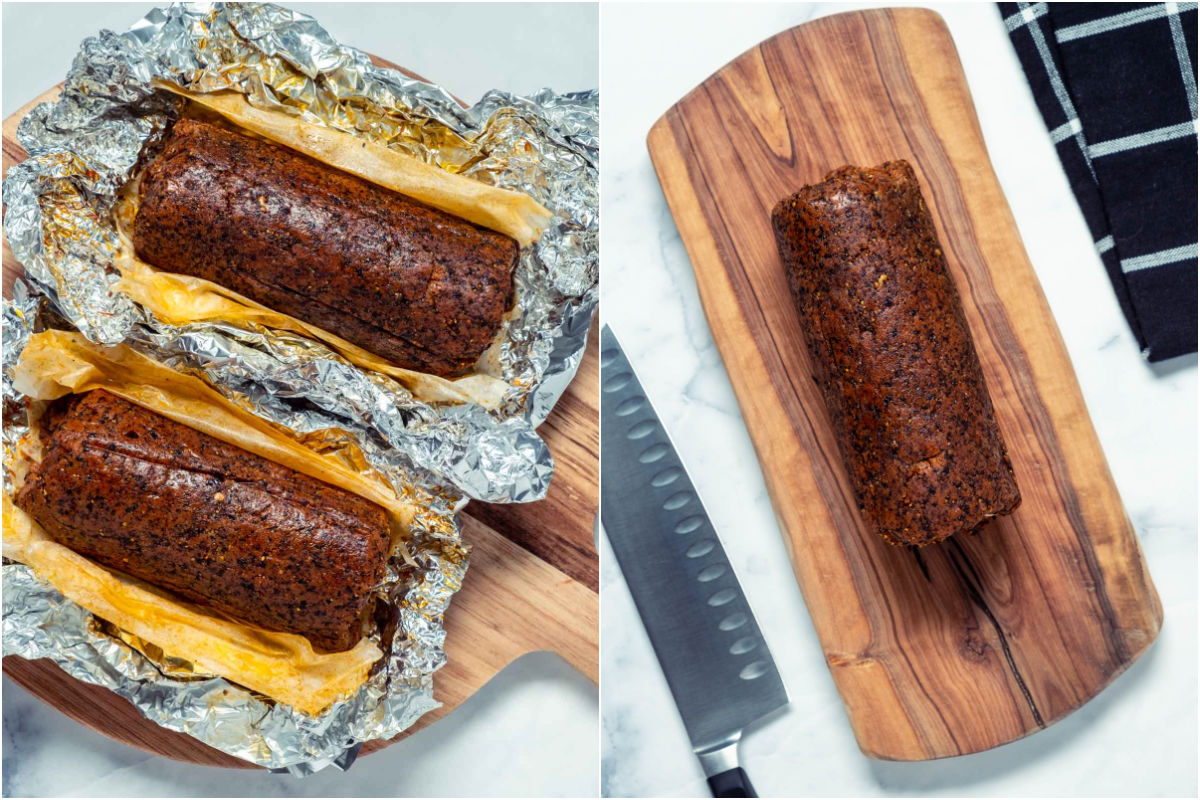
(704, 634)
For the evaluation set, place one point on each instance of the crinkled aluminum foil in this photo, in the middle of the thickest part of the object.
(84, 147)
(39, 622)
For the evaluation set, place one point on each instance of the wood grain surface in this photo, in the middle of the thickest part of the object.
(972, 643)
(532, 583)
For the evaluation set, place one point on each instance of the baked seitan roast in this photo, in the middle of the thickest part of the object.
(183, 511)
(421, 288)
(892, 354)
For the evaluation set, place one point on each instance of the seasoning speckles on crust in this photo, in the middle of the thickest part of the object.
(421, 288)
(219, 526)
(893, 356)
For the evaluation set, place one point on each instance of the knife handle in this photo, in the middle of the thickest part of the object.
(731, 783)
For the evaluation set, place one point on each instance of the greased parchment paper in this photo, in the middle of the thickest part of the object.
(85, 147)
(59, 223)
(426, 568)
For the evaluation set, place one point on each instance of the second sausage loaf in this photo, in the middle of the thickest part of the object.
(893, 356)
(220, 526)
(421, 288)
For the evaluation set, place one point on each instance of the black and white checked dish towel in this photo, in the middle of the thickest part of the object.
(1116, 85)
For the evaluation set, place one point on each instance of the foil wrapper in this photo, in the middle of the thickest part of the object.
(84, 147)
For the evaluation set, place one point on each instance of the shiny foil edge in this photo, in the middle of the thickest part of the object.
(39, 622)
(84, 146)
(81, 153)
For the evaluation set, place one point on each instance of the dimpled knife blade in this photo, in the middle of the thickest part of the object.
(706, 638)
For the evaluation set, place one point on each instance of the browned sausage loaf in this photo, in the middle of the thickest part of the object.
(211, 522)
(893, 356)
(421, 288)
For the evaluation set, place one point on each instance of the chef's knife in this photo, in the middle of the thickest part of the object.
(704, 634)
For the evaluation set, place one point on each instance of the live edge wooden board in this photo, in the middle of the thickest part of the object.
(532, 583)
(956, 647)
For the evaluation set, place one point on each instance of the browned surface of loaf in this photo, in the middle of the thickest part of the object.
(211, 522)
(421, 288)
(893, 356)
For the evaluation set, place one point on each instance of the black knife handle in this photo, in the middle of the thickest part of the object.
(731, 783)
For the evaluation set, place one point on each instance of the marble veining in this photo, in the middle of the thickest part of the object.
(1139, 736)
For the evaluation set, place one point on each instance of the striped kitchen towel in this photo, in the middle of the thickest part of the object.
(1116, 85)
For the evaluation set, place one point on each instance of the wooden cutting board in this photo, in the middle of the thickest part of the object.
(966, 645)
(532, 584)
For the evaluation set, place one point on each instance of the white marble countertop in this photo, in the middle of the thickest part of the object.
(532, 729)
(1139, 736)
